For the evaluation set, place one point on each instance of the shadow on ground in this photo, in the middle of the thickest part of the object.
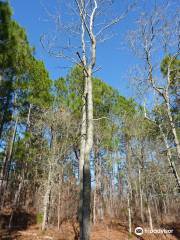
(20, 221)
(175, 227)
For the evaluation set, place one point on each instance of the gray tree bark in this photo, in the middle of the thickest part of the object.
(87, 122)
(49, 182)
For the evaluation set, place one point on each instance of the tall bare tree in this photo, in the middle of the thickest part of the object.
(91, 31)
(158, 34)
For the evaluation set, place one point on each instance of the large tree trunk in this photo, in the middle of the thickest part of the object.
(83, 124)
(86, 210)
(87, 114)
(82, 155)
(86, 199)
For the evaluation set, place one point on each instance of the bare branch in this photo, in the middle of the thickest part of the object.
(83, 16)
(116, 20)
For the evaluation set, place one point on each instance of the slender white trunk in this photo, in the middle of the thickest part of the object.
(59, 210)
(141, 197)
(49, 181)
(94, 207)
(173, 128)
(169, 158)
(165, 207)
(129, 215)
(150, 217)
(46, 200)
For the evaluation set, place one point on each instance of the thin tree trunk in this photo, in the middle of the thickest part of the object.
(9, 152)
(59, 210)
(156, 207)
(165, 207)
(173, 128)
(46, 200)
(4, 113)
(165, 95)
(150, 217)
(170, 160)
(94, 207)
(141, 206)
(7, 163)
(141, 197)
(49, 182)
(3, 164)
(28, 117)
(129, 215)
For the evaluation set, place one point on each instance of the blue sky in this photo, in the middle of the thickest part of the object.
(113, 56)
(114, 61)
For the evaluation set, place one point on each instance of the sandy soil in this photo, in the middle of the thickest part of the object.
(99, 232)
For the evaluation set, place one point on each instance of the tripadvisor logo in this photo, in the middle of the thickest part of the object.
(138, 231)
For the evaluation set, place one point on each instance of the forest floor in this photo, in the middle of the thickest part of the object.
(113, 230)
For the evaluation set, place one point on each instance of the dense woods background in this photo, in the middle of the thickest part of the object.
(135, 157)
